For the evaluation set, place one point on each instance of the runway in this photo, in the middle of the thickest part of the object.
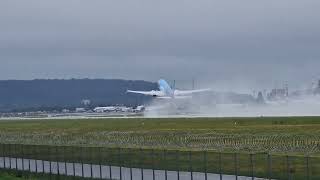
(108, 172)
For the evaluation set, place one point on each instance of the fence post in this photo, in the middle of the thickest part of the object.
(65, 160)
(91, 159)
(190, 161)
(220, 165)
(205, 165)
(152, 157)
(81, 154)
(119, 160)
(252, 166)
(4, 155)
(7, 155)
(35, 159)
(29, 159)
(12, 151)
(110, 168)
(307, 167)
(270, 165)
(43, 170)
(130, 160)
(73, 161)
(165, 159)
(141, 163)
(100, 168)
(42, 161)
(178, 164)
(236, 165)
(288, 167)
(57, 158)
(10, 157)
(50, 161)
(16, 156)
(22, 154)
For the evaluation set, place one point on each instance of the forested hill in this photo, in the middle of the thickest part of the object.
(24, 94)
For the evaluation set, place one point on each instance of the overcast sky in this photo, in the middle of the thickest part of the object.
(243, 43)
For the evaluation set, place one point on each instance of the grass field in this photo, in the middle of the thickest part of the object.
(296, 135)
(6, 176)
(14, 175)
(118, 142)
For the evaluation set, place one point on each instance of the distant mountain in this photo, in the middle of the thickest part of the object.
(35, 94)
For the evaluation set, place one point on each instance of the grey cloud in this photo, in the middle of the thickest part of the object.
(217, 41)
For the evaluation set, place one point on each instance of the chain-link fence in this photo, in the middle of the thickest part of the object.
(152, 164)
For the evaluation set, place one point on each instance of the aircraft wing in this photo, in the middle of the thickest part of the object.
(188, 92)
(148, 93)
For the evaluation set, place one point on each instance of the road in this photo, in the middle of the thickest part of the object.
(108, 172)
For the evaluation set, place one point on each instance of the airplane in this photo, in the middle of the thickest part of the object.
(104, 109)
(166, 92)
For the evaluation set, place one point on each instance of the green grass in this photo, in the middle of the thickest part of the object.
(291, 125)
(295, 135)
(19, 175)
(7, 176)
(280, 136)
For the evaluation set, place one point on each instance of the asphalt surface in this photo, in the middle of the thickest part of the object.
(108, 172)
